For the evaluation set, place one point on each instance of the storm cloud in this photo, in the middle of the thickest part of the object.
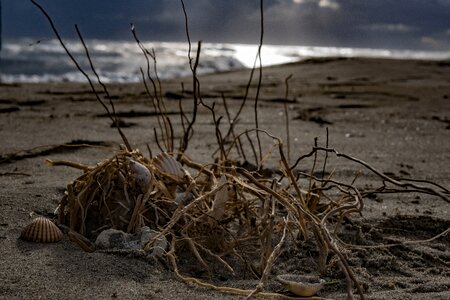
(399, 24)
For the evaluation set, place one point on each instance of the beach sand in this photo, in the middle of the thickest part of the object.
(392, 114)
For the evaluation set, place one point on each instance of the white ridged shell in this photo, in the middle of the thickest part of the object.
(41, 230)
(169, 165)
(301, 285)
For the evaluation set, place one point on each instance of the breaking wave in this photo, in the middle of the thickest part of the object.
(28, 60)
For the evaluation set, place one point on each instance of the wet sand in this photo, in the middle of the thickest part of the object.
(393, 114)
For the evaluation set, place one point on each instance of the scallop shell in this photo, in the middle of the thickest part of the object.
(301, 285)
(169, 165)
(41, 230)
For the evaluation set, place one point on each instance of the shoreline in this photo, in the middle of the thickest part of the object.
(119, 61)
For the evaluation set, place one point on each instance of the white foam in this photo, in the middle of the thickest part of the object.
(26, 60)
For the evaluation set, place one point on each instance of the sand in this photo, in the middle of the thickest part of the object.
(393, 114)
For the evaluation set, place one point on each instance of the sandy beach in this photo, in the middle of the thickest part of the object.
(392, 114)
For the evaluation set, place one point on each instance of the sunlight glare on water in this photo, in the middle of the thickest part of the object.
(27, 60)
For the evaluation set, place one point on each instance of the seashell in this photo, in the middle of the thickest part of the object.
(169, 165)
(182, 197)
(301, 285)
(141, 173)
(112, 239)
(41, 230)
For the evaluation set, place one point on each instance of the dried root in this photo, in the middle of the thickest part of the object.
(221, 214)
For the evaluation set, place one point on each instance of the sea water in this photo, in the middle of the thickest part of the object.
(31, 60)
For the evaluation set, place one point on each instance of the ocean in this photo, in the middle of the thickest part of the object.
(30, 60)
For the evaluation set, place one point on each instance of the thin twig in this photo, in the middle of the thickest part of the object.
(110, 115)
(270, 262)
(286, 115)
(385, 177)
(258, 89)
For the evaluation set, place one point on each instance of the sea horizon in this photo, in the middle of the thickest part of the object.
(34, 60)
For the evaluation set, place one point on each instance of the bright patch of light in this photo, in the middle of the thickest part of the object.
(329, 4)
(398, 27)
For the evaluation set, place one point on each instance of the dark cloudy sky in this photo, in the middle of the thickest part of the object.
(399, 24)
